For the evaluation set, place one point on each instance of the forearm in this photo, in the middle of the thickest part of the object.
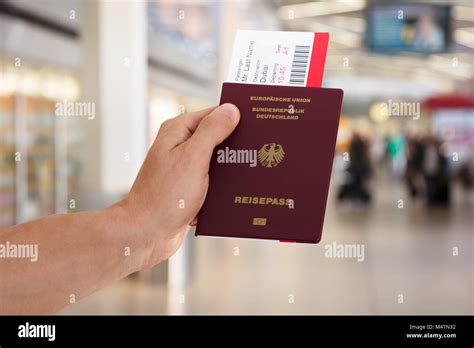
(77, 255)
(83, 252)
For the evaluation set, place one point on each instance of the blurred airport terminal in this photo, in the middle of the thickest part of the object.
(85, 85)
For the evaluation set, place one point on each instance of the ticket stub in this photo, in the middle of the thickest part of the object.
(279, 58)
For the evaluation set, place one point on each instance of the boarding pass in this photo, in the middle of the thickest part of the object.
(279, 58)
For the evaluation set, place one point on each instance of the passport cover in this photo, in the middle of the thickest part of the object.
(276, 187)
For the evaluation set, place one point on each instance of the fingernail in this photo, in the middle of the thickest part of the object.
(230, 110)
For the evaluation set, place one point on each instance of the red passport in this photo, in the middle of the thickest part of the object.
(270, 178)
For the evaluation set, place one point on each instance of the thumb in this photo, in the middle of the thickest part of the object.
(214, 129)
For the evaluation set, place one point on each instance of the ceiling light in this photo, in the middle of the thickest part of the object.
(463, 13)
(464, 36)
(321, 8)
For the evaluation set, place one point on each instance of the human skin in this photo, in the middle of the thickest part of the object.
(80, 253)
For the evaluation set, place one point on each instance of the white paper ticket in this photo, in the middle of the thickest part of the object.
(282, 58)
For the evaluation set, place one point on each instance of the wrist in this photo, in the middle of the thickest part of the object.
(126, 235)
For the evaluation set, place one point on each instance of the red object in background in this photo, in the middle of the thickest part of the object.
(449, 101)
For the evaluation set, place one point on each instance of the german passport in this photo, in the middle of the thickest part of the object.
(269, 179)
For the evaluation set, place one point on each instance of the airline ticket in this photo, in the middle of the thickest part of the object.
(281, 58)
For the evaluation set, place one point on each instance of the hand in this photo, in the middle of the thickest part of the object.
(79, 253)
(172, 183)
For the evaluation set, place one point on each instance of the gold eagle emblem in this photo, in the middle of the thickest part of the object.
(270, 155)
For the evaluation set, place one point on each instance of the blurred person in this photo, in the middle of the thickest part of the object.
(413, 171)
(408, 31)
(435, 172)
(358, 172)
(395, 151)
(428, 34)
(466, 170)
(378, 149)
(82, 252)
